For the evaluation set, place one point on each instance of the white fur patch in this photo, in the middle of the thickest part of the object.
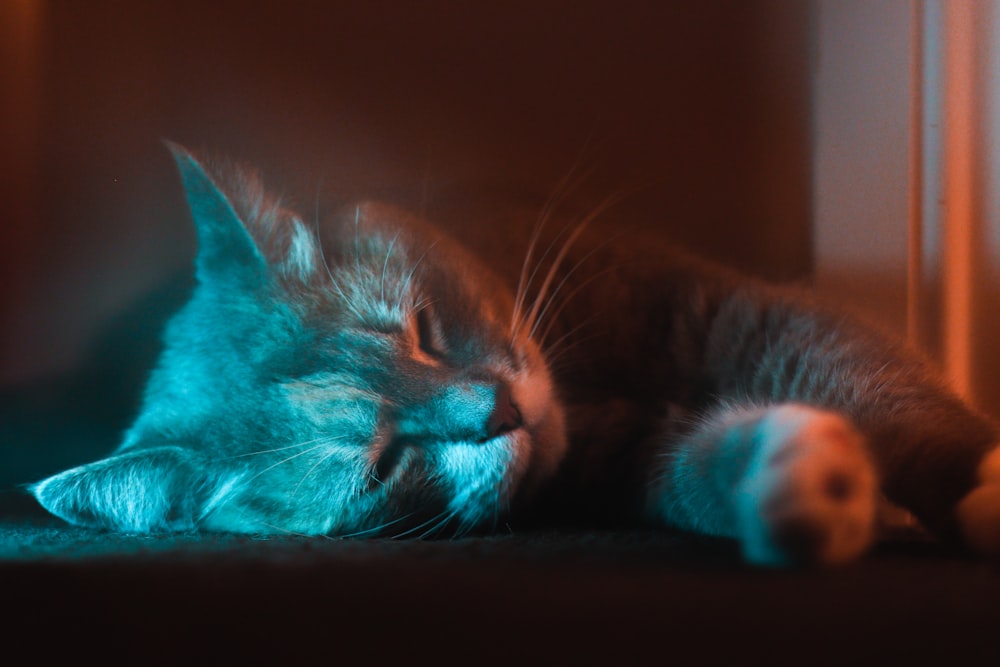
(809, 494)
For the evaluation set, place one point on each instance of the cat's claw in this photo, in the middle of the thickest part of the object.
(809, 496)
(979, 511)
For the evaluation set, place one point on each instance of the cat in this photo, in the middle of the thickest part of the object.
(375, 375)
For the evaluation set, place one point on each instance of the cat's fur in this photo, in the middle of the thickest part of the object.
(371, 375)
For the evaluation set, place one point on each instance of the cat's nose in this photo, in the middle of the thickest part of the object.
(506, 416)
(477, 408)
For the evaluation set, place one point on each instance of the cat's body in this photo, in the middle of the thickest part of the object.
(373, 375)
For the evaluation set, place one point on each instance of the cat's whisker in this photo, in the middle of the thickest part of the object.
(558, 362)
(563, 188)
(347, 301)
(517, 311)
(553, 318)
(333, 281)
(539, 264)
(329, 273)
(521, 314)
(446, 517)
(316, 226)
(599, 210)
(423, 303)
(419, 526)
(325, 438)
(286, 460)
(319, 190)
(385, 264)
(309, 472)
(322, 443)
(553, 351)
(280, 530)
(357, 240)
(522, 294)
(465, 526)
(525, 280)
(531, 317)
(319, 244)
(555, 293)
(374, 478)
(375, 529)
(404, 288)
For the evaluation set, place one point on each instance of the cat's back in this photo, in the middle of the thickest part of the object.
(514, 233)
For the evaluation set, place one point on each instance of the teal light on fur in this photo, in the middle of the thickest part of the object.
(294, 393)
(372, 376)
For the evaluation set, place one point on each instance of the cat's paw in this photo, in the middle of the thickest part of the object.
(979, 511)
(809, 495)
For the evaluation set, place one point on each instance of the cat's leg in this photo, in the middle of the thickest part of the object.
(793, 484)
(935, 454)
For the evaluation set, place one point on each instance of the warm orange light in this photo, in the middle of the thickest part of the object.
(959, 190)
(915, 293)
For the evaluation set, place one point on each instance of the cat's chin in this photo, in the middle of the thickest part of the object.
(474, 483)
(543, 445)
(543, 440)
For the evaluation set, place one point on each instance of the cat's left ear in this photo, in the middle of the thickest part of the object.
(227, 254)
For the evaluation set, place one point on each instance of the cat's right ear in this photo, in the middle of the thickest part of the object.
(227, 253)
(147, 490)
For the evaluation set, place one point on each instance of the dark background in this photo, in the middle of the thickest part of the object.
(703, 105)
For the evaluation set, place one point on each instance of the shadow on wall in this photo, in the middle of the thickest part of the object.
(705, 104)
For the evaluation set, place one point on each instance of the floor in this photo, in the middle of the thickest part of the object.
(630, 597)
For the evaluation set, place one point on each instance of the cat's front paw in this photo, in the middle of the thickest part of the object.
(809, 495)
(979, 511)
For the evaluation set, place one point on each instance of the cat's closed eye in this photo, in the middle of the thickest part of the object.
(429, 336)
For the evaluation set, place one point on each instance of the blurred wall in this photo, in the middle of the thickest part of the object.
(707, 103)
(862, 166)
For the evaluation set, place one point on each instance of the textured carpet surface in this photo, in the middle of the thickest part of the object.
(531, 598)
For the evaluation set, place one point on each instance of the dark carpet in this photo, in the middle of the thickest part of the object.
(533, 598)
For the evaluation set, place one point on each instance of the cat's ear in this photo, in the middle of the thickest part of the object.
(147, 490)
(227, 253)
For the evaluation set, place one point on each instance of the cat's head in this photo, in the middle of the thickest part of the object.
(363, 376)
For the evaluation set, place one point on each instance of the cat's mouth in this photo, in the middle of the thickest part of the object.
(448, 487)
(390, 458)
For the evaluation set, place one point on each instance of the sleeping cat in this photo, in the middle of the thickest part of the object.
(373, 375)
